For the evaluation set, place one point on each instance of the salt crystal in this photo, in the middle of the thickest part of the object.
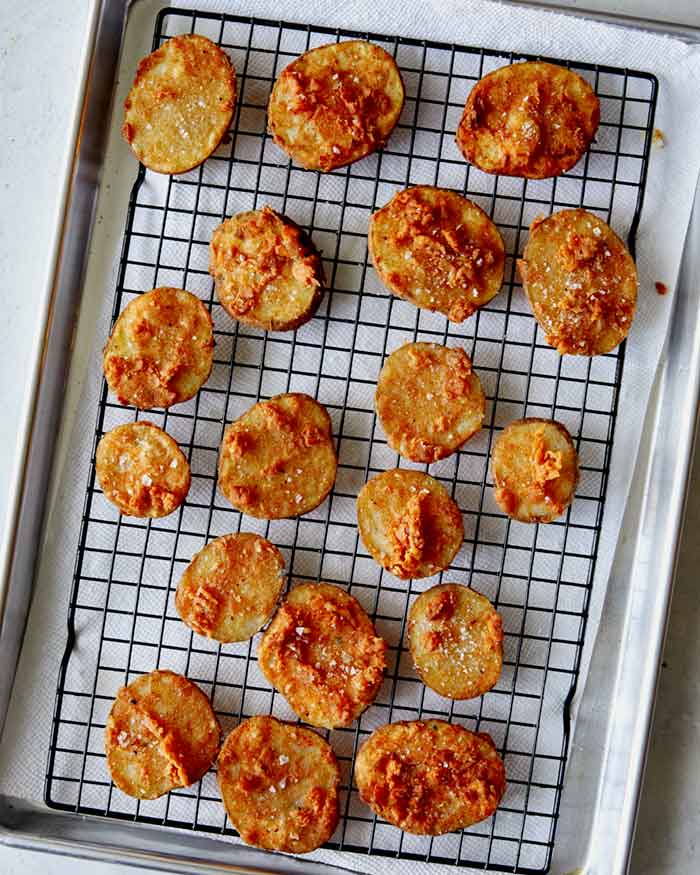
(301, 630)
(597, 232)
(298, 497)
(146, 480)
(429, 396)
(173, 464)
(273, 789)
(282, 784)
(283, 760)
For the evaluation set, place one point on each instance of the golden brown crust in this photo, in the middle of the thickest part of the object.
(278, 459)
(429, 401)
(161, 733)
(180, 105)
(531, 119)
(322, 653)
(267, 271)
(231, 587)
(409, 523)
(335, 104)
(279, 784)
(160, 351)
(142, 470)
(534, 465)
(438, 250)
(581, 282)
(430, 777)
(456, 641)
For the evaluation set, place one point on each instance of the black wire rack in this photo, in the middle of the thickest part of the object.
(121, 618)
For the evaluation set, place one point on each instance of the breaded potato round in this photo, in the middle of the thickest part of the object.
(161, 733)
(267, 271)
(161, 348)
(430, 777)
(231, 587)
(278, 459)
(581, 282)
(322, 653)
(279, 784)
(142, 470)
(456, 640)
(435, 248)
(534, 466)
(409, 523)
(429, 401)
(335, 104)
(531, 119)
(180, 105)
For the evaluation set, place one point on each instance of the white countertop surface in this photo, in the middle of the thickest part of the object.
(40, 46)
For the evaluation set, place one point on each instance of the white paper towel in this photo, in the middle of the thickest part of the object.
(670, 189)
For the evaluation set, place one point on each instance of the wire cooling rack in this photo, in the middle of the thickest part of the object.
(122, 620)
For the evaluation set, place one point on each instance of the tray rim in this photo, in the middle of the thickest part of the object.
(24, 824)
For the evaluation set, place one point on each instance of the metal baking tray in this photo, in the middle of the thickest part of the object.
(657, 507)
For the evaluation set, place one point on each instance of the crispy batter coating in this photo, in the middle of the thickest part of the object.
(180, 105)
(534, 465)
(231, 587)
(142, 470)
(430, 777)
(531, 119)
(161, 349)
(278, 459)
(456, 641)
(409, 523)
(279, 783)
(267, 271)
(581, 282)
(438, 250)
(322, 653)
(336, 104)
(429, 400)
(161, 734)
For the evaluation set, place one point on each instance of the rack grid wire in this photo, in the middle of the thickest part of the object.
(122, 620)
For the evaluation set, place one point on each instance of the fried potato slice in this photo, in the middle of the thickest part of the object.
(409, 523)
(180, 105)
(267, 271)
(142, 470)
(322, 653)
(534, 466)
(430, 777)
(161, 733)
(530, 119)
(231, 587)
(160, 351)
(438, 250)
(278, 459)
(581, 282)
(429, 401)
(456, 640)
(335, 104)
(279, 784)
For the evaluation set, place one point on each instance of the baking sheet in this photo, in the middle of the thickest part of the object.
(477, 362)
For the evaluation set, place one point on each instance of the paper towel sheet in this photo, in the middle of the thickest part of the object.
(496, 551)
